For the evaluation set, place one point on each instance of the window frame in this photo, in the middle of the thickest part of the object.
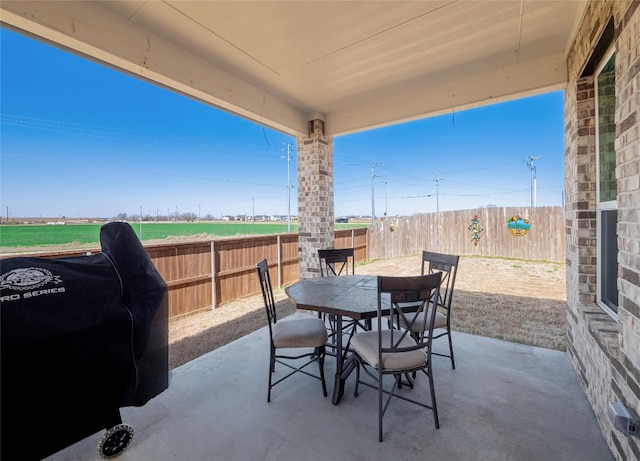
(605, 206)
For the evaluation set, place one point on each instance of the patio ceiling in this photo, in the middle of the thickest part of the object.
(355, 65)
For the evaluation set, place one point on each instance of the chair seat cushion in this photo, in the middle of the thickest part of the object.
(366, 345)
(310, 332)
(416, 325)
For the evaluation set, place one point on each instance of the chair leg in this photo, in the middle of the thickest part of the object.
(409, 382)
(433, 397)
(417, 338)
(321, 354)
(380, 409)
(355, 392)
(272, 366)
(453, 363)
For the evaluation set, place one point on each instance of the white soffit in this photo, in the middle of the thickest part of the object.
(357, 65)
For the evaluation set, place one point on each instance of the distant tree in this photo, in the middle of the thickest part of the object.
(122, 216)
(189, 217)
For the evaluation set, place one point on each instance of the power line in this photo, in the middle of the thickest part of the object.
(483, 167)
(129, 170)
(197, 144)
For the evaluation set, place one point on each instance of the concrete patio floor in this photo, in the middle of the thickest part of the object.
(504, 401)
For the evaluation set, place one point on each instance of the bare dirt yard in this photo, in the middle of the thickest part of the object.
(513, 300)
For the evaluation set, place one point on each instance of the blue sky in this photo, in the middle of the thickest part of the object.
(81, 140)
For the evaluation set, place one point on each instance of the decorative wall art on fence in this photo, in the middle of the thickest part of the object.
(518, 226)
(476, 228)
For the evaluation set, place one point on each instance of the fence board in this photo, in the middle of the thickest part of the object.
(187, 270)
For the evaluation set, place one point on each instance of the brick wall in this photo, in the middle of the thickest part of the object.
(628, 173)
(605, 351)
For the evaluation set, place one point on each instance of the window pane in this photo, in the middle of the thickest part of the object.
(608, 259)
(607, 131)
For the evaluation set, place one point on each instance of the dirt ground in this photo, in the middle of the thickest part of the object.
(514, 300)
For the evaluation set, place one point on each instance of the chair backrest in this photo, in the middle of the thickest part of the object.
(405, 298)
(336, 261)
(448, 266)
(267, 292)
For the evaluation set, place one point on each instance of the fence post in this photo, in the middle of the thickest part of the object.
(367, 239)
(213, 276)
(279, 246)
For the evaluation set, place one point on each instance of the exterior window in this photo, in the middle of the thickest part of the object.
(607, 207)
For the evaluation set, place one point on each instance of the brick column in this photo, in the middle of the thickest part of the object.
(580, 191)
(315, 197)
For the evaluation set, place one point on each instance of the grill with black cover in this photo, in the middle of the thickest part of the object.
(82, 337)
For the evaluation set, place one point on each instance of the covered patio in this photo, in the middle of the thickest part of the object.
(504, 401)
(316, 70)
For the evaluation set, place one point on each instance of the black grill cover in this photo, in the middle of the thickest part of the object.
(81, 337)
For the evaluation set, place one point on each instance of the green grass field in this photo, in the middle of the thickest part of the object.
(40, 235)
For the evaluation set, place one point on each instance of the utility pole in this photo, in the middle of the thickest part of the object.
(437, 180)
(385, 199)
(532, 167)
(373, 205)
(289, 187)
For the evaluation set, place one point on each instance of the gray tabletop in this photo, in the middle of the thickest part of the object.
(354, 296)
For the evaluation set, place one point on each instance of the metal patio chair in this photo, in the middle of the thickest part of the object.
(448, 266)
(396, 352)
(309, 333)
(337, 262)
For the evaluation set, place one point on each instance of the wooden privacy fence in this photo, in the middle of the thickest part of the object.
(205, 274)
(448, 232)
